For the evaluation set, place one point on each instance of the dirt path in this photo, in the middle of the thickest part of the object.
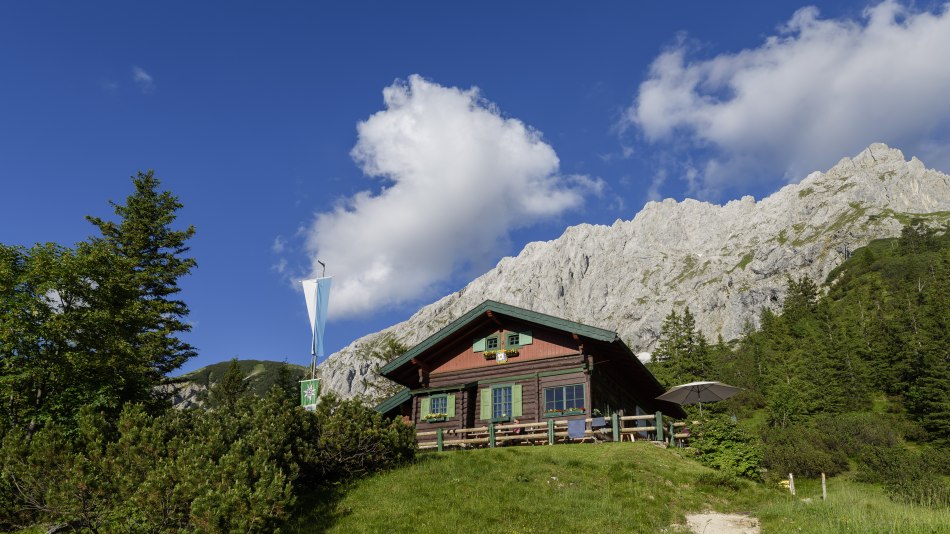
(716, 523)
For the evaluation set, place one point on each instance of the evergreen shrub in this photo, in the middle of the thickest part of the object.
(239, 467)
(850, 433)
(907, 476)
(803, 450)
(355, 440)
(724, 445)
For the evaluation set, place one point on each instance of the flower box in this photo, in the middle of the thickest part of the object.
(435, 419)
(562, 413)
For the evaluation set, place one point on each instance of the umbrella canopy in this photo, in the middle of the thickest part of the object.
(699, 392)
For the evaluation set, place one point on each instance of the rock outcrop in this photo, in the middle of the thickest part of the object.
(724, 262)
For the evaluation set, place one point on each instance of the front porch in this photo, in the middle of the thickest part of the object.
(656, 428)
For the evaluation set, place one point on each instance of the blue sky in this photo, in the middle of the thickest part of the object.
(410, 146)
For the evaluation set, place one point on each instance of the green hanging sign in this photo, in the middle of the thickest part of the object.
(309, 391)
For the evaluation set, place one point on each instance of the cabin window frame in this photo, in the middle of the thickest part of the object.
(559, 410)
(517, 338)
(490, 340)
(444, 399)
(504, 417)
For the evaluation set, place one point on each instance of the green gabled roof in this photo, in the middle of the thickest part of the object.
(393, 402)
(550, 321)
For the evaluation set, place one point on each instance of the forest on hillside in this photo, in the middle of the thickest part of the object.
(855, 371)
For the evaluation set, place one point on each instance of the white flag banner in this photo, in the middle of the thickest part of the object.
(317, 293)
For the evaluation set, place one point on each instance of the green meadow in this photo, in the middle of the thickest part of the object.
(608, 487)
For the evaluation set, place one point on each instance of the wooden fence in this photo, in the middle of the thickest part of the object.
(553, 431)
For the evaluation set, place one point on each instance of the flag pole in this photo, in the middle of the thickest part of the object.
(313, 344)
(317, 294)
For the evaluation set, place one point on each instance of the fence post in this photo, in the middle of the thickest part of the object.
(550, 431)
(438, 438)
(659, 426)
(824, 489)
(672, 437)
(491, 433)
(791, 483)
(615, 423)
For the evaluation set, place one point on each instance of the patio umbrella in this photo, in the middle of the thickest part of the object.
(698, 393)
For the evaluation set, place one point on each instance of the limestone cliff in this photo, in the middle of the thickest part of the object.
(724, 262)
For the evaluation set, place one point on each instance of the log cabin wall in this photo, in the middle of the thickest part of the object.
(532, 375)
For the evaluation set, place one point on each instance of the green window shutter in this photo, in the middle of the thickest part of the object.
(486, 404)
(524, 337)
(478, 345)
(516, 410)
(424, 407)
(450, 405)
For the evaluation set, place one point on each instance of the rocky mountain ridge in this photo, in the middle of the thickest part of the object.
(724, 262)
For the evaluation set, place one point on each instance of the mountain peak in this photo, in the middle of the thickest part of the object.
(726, 262)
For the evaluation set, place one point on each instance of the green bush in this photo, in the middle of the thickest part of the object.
(803, 450)
(355, 440)
(722, 444)
(850, 433)
(907, 476)
(238, 468)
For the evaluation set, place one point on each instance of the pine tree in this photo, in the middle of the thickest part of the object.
(287, 382)
(232, 386)
(668, 346)
(682, 355)
(139, 299)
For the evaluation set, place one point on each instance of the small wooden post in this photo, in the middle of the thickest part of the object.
(824, 489)
(672, 433)
(791, 483)
(491, 433)
(659, 426)
(615, 423)
(438, 439)
(550, 431)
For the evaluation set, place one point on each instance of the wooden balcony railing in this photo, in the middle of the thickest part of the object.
(553, 431)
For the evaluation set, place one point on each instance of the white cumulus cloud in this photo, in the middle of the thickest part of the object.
(816, 91)
(457, 177)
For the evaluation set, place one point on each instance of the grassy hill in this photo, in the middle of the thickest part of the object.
(610, 487)
(260, 373)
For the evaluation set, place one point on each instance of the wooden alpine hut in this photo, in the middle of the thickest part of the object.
(501, 364)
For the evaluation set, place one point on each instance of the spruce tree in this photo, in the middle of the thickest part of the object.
(140, 297)
(682, 354)
(670, 341)
(232, 386)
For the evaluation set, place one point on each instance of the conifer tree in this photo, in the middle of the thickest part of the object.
(682, 355)
(96, 324)
(140, 298)
(232, 386)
